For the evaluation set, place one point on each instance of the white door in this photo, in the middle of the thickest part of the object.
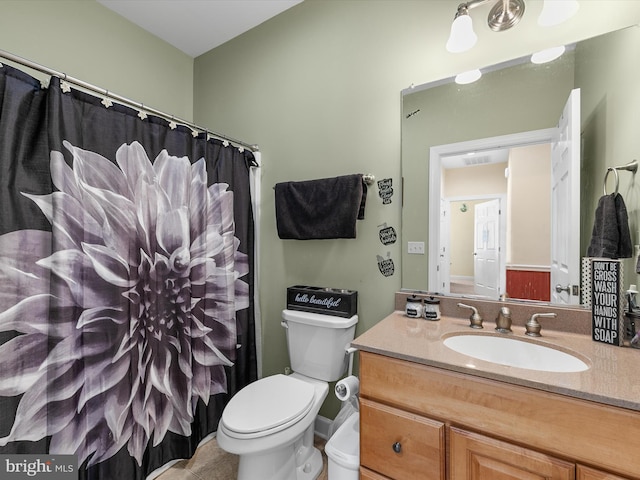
(565, 205)
(486, 262)
(444, 260)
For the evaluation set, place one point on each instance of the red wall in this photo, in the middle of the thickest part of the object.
(529, 285)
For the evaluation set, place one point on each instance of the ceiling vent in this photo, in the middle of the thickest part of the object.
(468, 161)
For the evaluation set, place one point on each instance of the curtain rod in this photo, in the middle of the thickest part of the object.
(126, 101)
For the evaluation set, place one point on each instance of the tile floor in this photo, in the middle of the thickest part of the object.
(201, 465)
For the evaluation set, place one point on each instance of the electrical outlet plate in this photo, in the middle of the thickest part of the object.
(415, 248)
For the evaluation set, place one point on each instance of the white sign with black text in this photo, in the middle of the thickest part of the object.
(605, 300)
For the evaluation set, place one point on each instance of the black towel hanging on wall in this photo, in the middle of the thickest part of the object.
(611, 237)
(320, 209)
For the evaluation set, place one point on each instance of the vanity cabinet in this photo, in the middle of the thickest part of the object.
(455, 426)
(394, 441)
(587, 473)
(366, 474)
(478, 457)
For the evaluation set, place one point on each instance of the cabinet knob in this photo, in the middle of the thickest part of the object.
(397, 447)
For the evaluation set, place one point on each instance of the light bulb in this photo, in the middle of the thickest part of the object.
(468, 77)
(462, 36)
(547, 55)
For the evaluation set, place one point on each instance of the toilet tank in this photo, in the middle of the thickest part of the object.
(317, 343)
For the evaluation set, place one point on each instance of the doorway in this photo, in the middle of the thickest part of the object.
(474, 241)
(474, 262)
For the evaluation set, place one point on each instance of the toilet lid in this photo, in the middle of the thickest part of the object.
(270, 404)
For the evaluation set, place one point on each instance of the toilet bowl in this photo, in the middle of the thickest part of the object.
(270, 422)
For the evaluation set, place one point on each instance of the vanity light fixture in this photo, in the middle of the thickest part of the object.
(503, 15)
(471, 76)
(547, 55)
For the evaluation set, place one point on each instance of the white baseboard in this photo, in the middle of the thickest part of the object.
(461, 279)
(322, 426)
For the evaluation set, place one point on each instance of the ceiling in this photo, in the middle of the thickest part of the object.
(468, 159)
(197, 26)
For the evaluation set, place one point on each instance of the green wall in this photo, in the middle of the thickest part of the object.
(610, 128)
(91, 43)
(318, 88)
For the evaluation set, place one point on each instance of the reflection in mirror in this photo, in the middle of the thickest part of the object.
(472, 183)
(508, 101)
(509, 257)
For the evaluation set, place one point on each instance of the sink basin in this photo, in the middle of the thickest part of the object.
(515, 353)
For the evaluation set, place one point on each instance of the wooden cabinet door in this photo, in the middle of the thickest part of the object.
(401, 445)
(476, 457)
(587, 473)
(366, 474)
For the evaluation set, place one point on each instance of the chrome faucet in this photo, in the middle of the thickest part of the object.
(475, 320)
(503, 322)
(533, 327)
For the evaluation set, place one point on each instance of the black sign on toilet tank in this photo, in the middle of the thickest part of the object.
(323, 300)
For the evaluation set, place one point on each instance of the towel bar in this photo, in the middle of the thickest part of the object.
(630, 167)
(369, 179)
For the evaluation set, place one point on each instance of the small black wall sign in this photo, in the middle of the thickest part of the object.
(387, 235)
(386, 265)
(385, 190)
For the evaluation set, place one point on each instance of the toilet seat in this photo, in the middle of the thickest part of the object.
(268, 406)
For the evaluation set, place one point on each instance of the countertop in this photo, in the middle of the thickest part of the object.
(613, 377)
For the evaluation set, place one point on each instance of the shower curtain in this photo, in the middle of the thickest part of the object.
(126, 286)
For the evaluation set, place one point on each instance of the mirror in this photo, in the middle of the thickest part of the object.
(509, 100)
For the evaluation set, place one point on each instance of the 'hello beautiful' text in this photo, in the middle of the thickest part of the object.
(328, 302)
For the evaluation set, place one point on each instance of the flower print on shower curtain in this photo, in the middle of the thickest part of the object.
(128, 319)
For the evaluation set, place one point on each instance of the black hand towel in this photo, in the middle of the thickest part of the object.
(611, 237)
(320, 209)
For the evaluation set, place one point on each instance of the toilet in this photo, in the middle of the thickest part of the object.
(270, 422)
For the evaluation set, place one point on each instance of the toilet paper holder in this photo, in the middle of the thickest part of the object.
(342, 390)
(350, 351)
(347, 388)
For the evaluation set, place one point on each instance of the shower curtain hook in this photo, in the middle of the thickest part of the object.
(106, 101)
(64, 86)
(142, 114)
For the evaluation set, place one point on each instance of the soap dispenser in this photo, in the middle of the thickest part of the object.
(414, 307)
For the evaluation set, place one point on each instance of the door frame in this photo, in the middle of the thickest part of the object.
(502, 281)
(436, 155)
